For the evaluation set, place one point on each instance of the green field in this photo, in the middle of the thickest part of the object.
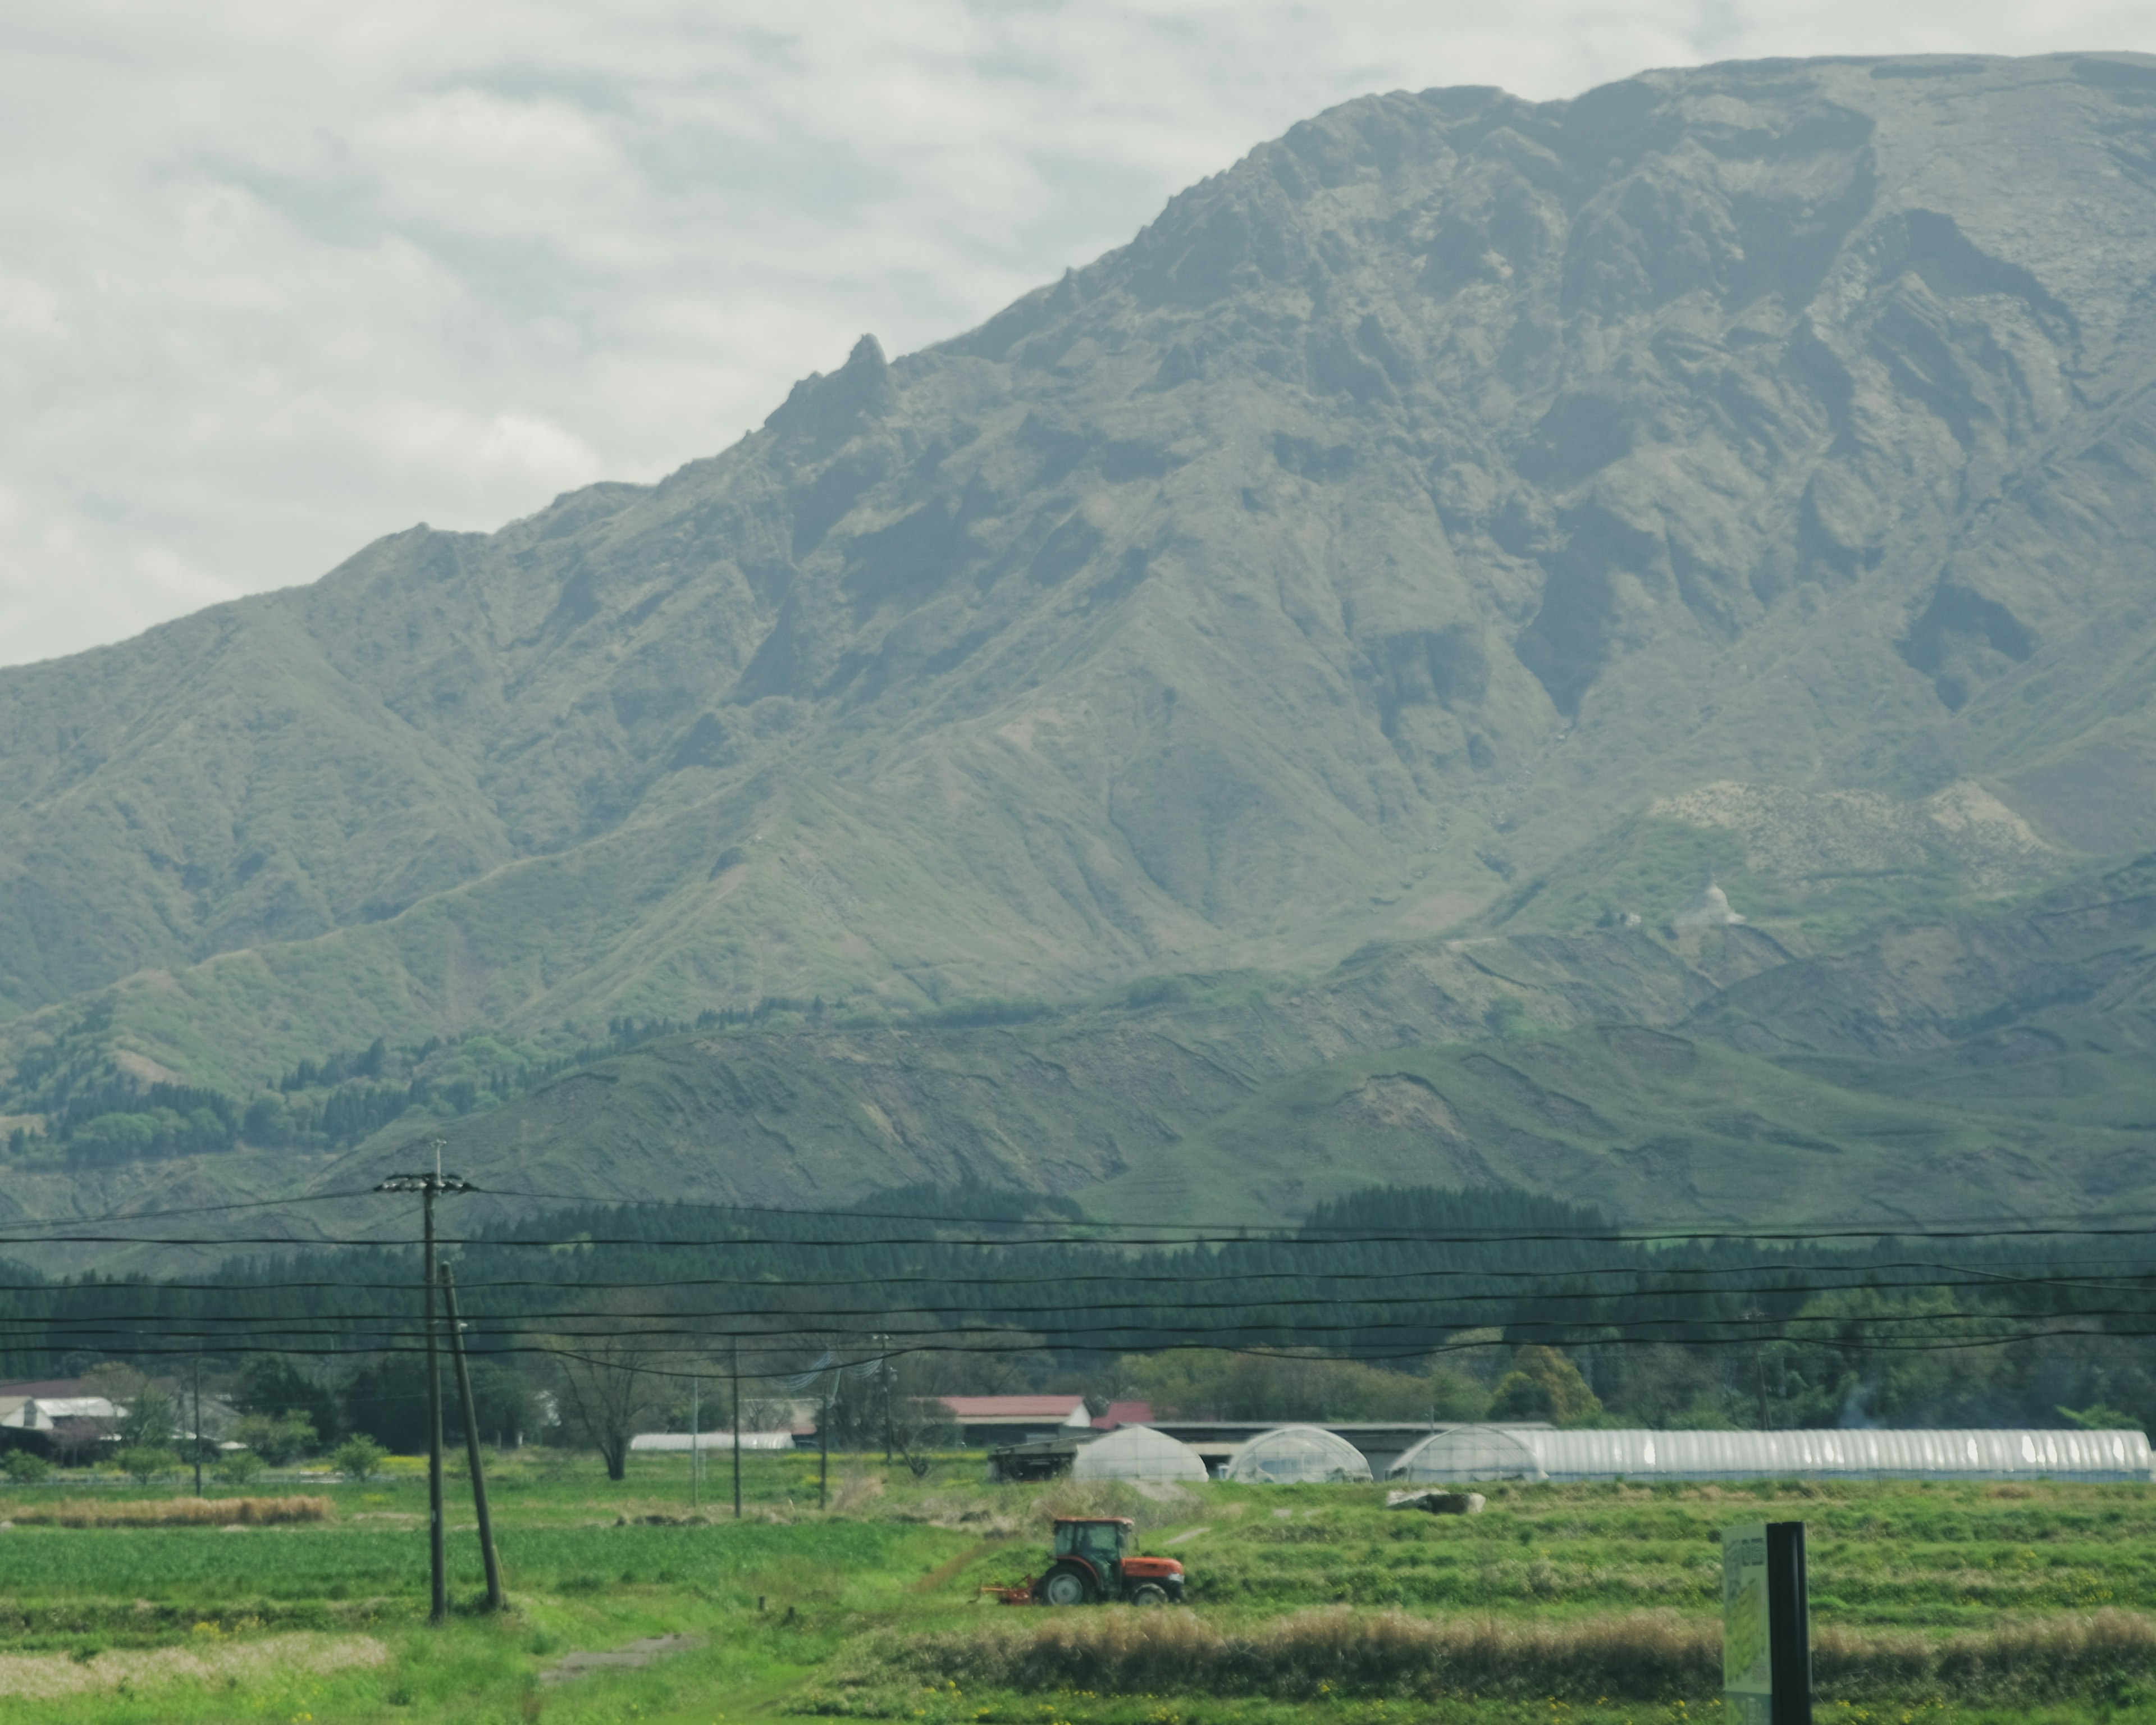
(1579, 1603)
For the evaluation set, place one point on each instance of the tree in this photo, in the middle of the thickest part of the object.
(387, 1401)
(1544, 1385)
(274, 1385)
(2100, 1419)
(145, 1416)
(357, 1459)
(241, 1467)
(277, 1439)
(502, 1402)
(1300, 1385)
(23, 1468)
(606, 1394)
(144, 1462)
(919, 1423)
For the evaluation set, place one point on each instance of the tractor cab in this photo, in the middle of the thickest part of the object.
(1104, 1543)
(1094, 1562)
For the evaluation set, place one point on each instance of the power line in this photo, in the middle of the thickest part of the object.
(1253, 1349)
(171, 1329)
(200, 1209)
(1537, 1237)
(1183, 1278)
(1315, 1230)
(801, 1313)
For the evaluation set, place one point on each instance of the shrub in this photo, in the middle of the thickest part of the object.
(278, 1438)
(241, 1467)
(144, 1462)
(1544, 1385)
(358, 1458)
(23, 1468)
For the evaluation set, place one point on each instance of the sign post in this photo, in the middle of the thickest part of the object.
(1766, 1629)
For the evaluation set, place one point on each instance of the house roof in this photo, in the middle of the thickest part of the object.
(982, 1409)
(1125, 1413)
(35, 1413)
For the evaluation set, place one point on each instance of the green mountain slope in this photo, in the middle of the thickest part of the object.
(1462, 515)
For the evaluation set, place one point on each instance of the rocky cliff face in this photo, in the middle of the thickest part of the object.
(1445, 481)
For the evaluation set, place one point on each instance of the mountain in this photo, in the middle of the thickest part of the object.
(1463, 516)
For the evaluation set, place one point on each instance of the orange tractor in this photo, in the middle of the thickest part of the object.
(1094, 1562)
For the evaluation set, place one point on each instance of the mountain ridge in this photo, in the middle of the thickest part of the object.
(1385, 542)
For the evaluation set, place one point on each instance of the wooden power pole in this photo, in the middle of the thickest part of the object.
(429, 1186)
(495, 1601)
(736, 1373)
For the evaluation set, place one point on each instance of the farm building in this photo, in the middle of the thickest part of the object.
(685, 1441)
(1490, 1452)
(1016, 1419)
(1137, 1452)
(1296, 1455)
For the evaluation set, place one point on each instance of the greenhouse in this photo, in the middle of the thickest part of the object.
(1137, 1452)
(1496, 1452)
(1296, 1455)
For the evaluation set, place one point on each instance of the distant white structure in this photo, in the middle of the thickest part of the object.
(1138, 1452)
(1297, 1456)
(1466, 1453)
(682, 1442)
(41, 1413)
(1710, 909)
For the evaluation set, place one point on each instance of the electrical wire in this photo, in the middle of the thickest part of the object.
(885, 1310)
(1537, 1237)
(239, 1286)
(418, 1349)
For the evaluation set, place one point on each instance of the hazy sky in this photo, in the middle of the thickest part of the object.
(280, 275)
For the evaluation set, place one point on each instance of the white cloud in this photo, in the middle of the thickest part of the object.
(284, 274)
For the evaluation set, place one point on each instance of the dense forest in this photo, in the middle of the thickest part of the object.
(1410, 1304)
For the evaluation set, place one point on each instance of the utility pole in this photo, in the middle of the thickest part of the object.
(428, 1186)
(883, 1380)
(696, 1455)
(197, 1444)
(495, 1600)
(823, 1449)
(737, 1374)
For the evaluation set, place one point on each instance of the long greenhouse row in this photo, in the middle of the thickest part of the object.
(1463, 1455)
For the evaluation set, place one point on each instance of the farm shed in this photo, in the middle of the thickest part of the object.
(1296, 1455)
(1137, 1452)
(1490, 1452)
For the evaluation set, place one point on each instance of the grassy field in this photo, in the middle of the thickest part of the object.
(1576, 1603)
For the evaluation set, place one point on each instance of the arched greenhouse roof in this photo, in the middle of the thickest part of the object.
(1137, 1452)
(1296, 1455)
(1490, 1452)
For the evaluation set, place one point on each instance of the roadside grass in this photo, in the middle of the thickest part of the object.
(1315, 1656)
(1949, 1602)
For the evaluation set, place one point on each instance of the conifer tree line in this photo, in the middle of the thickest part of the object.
(1389, 1305)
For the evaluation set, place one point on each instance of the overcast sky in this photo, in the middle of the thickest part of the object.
(279, 276)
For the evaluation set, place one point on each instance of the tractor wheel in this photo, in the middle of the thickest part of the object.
(1148, 1593)
(1067, 1587)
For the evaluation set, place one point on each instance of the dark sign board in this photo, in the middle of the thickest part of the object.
(1766, 1628)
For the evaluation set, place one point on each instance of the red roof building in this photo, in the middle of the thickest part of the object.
(1017, 1419)
(1124, 1413)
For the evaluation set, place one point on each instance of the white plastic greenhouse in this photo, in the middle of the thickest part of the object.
(1137, 1452)
(1296, 1455)
(1496, 1452)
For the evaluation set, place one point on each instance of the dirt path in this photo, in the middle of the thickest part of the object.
(632, 1657)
